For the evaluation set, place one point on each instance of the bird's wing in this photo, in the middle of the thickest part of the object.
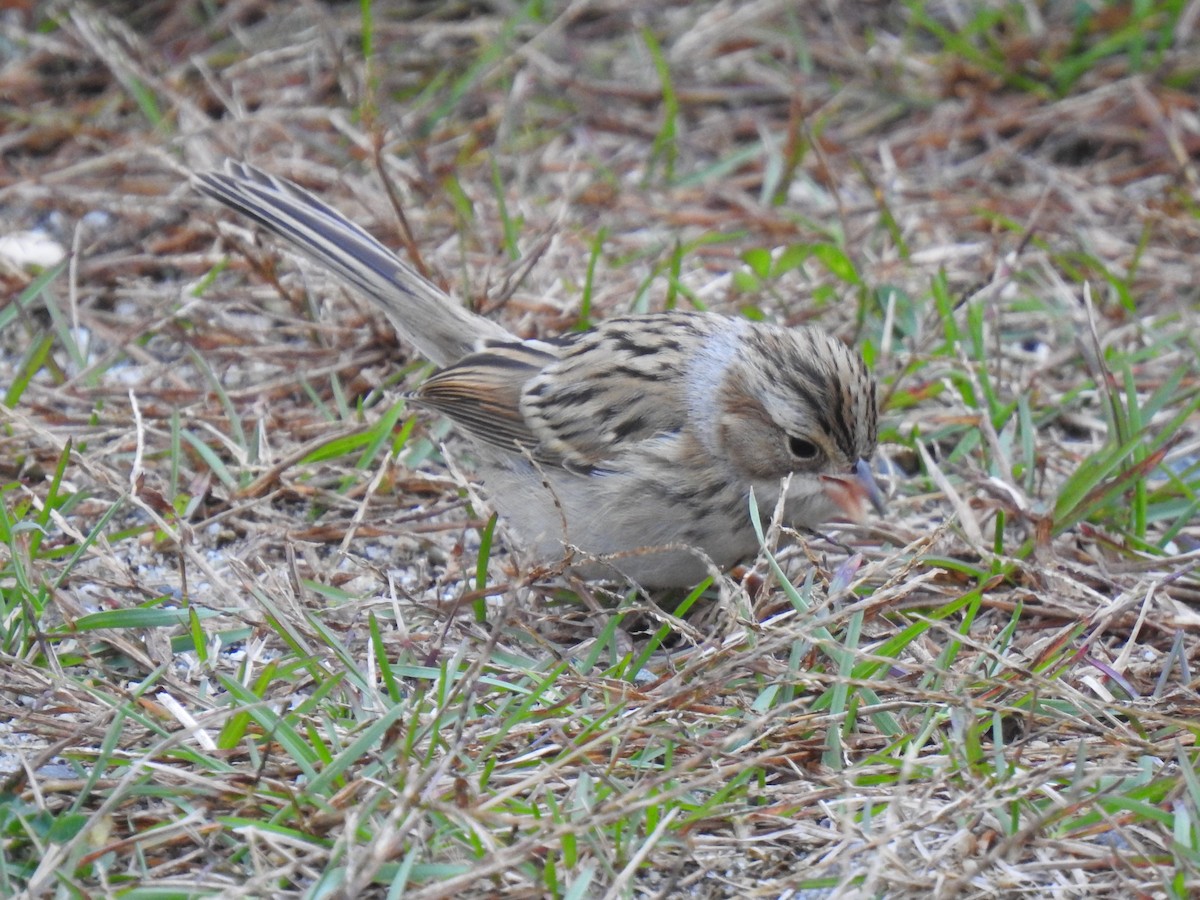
(482, 393)
(610, 389)
(574, 402)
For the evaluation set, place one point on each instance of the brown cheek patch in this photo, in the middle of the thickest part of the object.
(736, 400)
(750, 437)
(751, 446)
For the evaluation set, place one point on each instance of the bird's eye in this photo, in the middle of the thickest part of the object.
(803, 450)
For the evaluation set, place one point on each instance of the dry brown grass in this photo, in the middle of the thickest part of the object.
(246, 650)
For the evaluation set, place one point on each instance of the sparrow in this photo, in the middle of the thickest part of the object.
(629, 450)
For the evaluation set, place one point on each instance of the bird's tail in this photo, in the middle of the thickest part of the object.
(423, 314)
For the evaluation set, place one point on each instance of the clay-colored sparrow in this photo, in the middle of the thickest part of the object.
(626, 448)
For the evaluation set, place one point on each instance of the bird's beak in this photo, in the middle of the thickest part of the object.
(849, 492)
